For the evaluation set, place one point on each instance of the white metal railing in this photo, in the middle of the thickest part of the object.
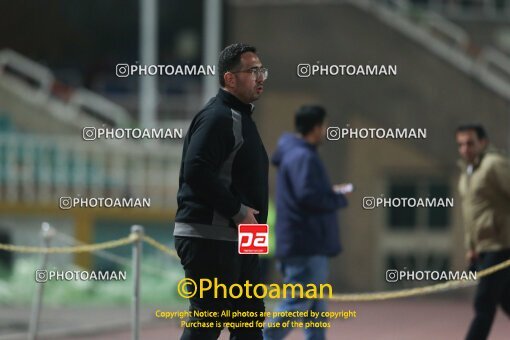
(476, 10)
(494, 68)
(92, 103)
(32, 81)
(40, 169)
(436, 33)
(441, 36)
(490, 67)
(29, 69)
(438, 24)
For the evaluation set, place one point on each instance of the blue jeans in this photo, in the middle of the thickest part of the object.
(303, 270)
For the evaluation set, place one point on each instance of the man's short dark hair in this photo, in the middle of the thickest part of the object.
(477, 128)
(308, 117)
(230, 58)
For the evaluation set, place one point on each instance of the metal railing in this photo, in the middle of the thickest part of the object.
(33, 81)
(446, 40)
(137, 237)
(490, 10)
(428, 28)
(40, 169)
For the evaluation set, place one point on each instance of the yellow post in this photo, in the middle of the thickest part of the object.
(83, 233)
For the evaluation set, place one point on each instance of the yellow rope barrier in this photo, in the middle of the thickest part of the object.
(376, 296)
(449, 285)
(161, 247)
(70, 249)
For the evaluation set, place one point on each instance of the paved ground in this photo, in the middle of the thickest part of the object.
(417, 319)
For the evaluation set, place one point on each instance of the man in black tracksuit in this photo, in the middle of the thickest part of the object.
(223, 182)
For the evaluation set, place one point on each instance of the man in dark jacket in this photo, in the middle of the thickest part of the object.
(306, 223)
(223, 183)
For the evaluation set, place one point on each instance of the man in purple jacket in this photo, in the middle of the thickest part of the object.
(307, 232)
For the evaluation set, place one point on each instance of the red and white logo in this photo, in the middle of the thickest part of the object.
(253, 238)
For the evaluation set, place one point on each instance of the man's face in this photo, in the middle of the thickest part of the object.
(318, 134)
(245, 85)
(322, 131)
(470, 146)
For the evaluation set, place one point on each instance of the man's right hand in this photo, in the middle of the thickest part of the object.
(250, 217)
(471, 256)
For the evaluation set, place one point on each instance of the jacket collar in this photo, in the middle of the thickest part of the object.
(233, 102)
(304, 143)
(465, 166)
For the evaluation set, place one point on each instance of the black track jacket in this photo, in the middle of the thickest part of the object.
(224, 169)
